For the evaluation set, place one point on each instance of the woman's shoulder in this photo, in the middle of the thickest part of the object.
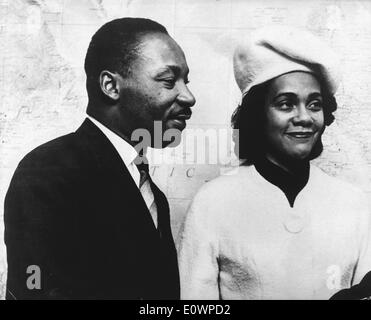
(214, 200)
(343, 189)
(320, 174)
(227, 185)
(232, 178)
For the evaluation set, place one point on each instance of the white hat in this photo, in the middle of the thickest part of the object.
(272, 51)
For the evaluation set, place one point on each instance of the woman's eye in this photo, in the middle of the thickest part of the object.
(315, 106)
(285, 105)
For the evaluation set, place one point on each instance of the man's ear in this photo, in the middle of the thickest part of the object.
(109, 84)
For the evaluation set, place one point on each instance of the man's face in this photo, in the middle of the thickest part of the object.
(156, 87)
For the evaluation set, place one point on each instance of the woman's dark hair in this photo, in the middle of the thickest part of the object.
(249, 118)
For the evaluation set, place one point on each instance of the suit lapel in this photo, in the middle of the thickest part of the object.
(140, 261)
(128, 201)
(162, 209)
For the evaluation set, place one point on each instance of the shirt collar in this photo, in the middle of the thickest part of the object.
(124, 149)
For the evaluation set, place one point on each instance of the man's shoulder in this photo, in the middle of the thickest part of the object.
(49, 167)
(53, 152)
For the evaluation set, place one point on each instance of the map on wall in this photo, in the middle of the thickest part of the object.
(42, 81)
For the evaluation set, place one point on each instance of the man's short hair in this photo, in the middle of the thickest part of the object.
(114, 46)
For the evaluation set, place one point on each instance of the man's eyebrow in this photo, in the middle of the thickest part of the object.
(176, 70)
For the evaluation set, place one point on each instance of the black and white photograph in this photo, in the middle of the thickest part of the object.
(185, 150)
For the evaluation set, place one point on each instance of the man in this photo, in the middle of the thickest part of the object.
(82, 221)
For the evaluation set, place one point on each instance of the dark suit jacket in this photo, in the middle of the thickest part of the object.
(74, 210)
(361, 291)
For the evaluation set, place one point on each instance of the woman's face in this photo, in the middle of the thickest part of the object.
(294, 116)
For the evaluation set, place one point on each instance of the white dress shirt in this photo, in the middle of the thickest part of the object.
(128, 154)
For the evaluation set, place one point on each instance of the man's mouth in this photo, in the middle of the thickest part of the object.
(181, 116)
(179, 119)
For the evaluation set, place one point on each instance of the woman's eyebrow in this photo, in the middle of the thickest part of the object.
(285, 94)
(293, 95)
(315, 95)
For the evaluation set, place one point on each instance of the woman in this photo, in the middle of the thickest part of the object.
(279, 228)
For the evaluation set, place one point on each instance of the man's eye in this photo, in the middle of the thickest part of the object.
(169, 82)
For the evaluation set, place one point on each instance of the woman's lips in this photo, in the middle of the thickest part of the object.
(300, 134)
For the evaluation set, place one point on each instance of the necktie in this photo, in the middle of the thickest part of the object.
(143, 169)
(145, 187)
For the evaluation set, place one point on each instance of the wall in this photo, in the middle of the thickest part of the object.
(42, 83)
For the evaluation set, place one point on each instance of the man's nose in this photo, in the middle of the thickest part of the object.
(302, 116)
(185, 97)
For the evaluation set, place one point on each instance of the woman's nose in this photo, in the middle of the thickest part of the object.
(302, 116)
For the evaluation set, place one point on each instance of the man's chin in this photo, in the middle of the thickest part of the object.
(165, 144)
(171, 135)
(176, 124)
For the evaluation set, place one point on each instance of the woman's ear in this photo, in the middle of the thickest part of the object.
(109, 84)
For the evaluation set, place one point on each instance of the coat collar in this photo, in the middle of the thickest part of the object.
(290, 183)
(126, 151)
(106, 158)
(105, 154)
